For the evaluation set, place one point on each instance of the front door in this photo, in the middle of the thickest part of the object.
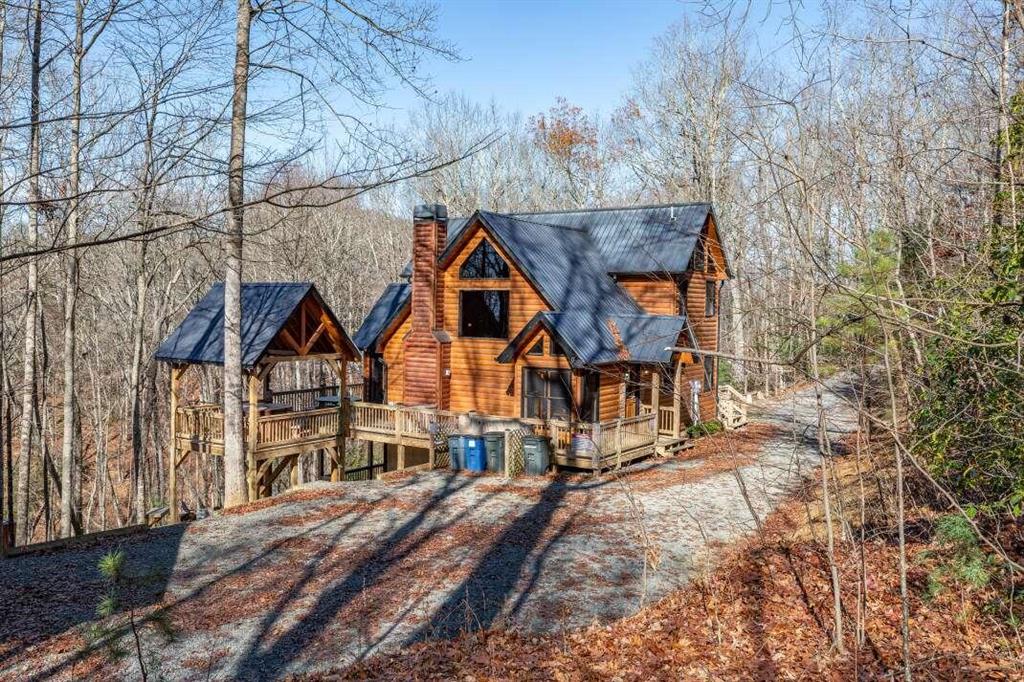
(547, 393)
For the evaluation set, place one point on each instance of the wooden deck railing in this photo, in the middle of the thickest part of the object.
(420, 426)
(402, 423)
(202, 423)
(666, 418)
(304, 398)
(621, 435)
(296, 426)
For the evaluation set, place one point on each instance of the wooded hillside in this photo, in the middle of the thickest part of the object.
(865, 176)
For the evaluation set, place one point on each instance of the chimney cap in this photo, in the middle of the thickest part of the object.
(430, 212)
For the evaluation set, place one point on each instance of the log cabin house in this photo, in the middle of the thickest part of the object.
(565, 319)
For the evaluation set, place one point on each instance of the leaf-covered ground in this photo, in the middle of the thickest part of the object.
(764, 613)
(335, 574)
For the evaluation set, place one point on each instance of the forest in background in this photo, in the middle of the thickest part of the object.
(865, 177)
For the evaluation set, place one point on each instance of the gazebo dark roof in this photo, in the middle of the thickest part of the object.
(266, 309)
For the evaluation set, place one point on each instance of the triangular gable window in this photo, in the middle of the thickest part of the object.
(484, 263)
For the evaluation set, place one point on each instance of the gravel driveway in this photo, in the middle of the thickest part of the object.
(336, 572)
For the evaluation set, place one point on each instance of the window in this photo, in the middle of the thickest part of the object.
(709, 299)
(590, 408)
(699, 260)
(556, 348)
(547, 393)
(484, 263)
(683, 286)
(483, 314)
(709, 373)
(537, 349)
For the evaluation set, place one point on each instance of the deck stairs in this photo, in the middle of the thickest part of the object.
(732, 407)
(668, 446)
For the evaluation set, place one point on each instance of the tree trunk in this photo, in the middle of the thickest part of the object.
(138, 444)
(29, 360)
(235, 485)
(67, 458)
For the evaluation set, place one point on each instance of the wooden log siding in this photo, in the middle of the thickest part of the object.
(656, 294)
(478, 382)
(394, 359)
(610, 392)
(704, 327)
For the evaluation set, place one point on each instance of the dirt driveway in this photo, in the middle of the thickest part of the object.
(336, 572)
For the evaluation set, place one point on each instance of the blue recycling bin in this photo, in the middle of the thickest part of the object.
(474, 454)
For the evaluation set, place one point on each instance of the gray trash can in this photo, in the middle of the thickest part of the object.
(456, 456)
(537, 455)
(494, 443)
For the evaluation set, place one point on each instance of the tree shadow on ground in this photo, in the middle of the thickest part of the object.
(46, 594)
(480, 598)
(272, 661)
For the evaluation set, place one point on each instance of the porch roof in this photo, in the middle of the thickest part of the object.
(600, 340)
(267, 309)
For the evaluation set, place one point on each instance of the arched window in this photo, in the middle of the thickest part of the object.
(484, 263)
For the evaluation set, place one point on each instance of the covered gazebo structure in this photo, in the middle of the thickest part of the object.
(281, 322)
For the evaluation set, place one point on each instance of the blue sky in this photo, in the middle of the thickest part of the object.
(525, 53)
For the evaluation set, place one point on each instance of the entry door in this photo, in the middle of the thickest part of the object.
(376, 387)
(547, 393)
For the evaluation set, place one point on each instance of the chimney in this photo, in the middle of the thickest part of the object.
(429, 237)
(422, 348)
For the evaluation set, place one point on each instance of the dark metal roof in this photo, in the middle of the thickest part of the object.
(383, 313)
(639, 239)
(569, 255)
(590, 339)
(266, 308)
(561, 262)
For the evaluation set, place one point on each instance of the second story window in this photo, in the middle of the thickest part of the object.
(484, 263)
(709, 373)
(710, 300)
(698, 262)
(483, 314)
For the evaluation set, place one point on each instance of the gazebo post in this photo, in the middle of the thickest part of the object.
(338, 462)
(172, 460)
(250, 455)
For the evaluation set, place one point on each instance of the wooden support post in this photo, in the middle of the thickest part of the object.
(172, 472)
(399, 433)
(677, 400)
(338, 463)
(656, 398)
(618, 444)
(253, 436)
(508, 453)
(293, 471)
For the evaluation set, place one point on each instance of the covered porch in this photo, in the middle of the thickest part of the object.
(282, 323)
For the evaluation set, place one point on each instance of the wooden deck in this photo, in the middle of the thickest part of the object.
(308, 428)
